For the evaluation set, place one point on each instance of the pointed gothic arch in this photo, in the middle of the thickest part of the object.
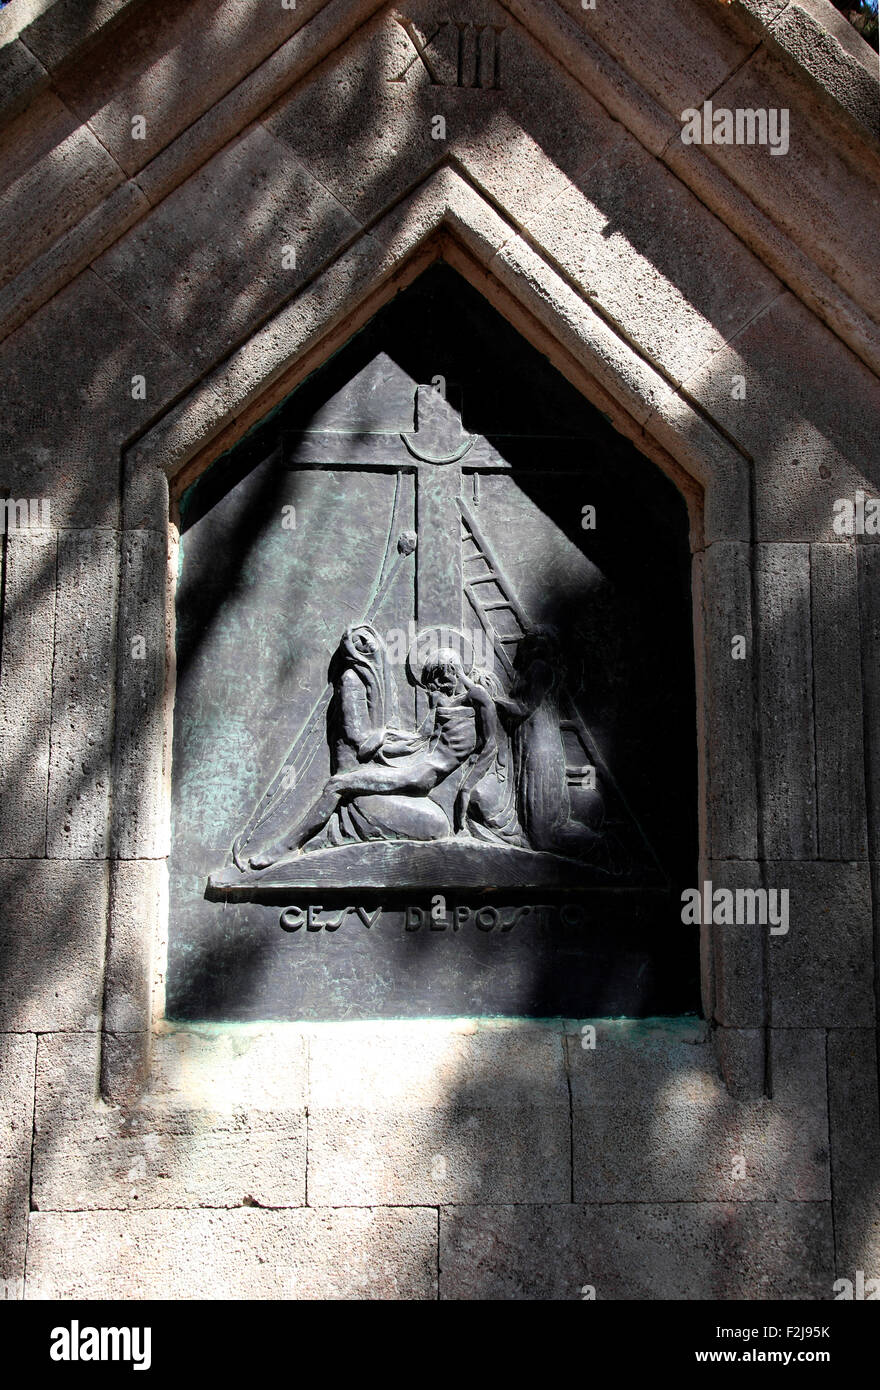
(447, 219)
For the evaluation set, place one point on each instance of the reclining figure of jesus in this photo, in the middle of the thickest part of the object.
(459, 726)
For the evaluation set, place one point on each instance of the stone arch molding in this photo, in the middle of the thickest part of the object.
(444, 217)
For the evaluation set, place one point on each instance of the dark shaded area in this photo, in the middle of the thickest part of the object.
(629, 665)
(862, 16)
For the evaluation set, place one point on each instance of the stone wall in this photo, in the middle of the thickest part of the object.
(719, 305)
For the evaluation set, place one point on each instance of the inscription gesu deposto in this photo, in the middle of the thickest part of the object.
(438, 917)
(457, 53)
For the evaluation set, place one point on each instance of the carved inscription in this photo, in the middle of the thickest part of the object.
(314, 917)
(457, 54)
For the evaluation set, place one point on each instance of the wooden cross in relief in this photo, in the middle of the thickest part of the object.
(435, 451)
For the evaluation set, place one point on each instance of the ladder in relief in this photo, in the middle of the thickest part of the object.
(502, 619)
(498, 612)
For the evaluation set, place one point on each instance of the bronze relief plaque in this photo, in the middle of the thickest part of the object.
(434, 724)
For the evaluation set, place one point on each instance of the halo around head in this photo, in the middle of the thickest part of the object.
(430, 641)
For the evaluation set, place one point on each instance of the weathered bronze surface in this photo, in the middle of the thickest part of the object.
(423, 684)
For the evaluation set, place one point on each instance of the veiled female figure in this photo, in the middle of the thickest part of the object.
(532, 712)
(364, 709)
(369, 759)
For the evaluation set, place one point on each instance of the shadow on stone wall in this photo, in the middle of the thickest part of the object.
(198, 302)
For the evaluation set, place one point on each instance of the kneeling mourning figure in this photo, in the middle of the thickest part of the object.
(505, 751)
